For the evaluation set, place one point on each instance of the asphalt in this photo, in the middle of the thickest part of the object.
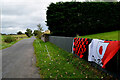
(18, 61)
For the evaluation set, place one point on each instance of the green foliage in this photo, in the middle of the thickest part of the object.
(19, 33)
(39, 34)
(83, 18)
(40, 29)
(3, 34)
(28, 32)
(35, 32)
(9, 39)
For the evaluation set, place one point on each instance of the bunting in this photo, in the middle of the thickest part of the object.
(95, 50)
(80, 47)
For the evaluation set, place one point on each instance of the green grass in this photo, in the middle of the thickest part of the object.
(61, 64)
(106, 36)
(4, 45)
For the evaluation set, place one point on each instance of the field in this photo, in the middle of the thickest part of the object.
(19, 36)
(54, 62)
(5, 45)
(114, 35)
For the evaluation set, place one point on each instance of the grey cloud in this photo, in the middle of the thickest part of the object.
(22, 14)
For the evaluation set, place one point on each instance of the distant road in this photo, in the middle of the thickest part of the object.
(18, 61)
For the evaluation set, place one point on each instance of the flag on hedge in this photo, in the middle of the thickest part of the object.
(80, 47)
(101, 51)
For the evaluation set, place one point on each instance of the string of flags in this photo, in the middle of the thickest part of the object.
(95, 50)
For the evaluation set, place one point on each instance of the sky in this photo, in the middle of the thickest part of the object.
(18, 15)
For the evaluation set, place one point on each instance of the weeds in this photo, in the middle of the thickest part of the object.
(9, 39)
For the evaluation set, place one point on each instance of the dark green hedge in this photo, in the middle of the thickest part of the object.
(71, 18)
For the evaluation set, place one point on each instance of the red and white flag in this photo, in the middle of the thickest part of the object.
(101, 51)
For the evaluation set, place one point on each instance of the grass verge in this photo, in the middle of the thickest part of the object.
(114, 35)
(54, 62)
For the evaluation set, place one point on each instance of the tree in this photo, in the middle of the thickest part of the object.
(40, 29)
(28, 32)
(19, 33)
(35, 32)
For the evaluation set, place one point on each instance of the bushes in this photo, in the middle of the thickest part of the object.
(39, 34)
(28, 32)
(71, 18)
(9, 39)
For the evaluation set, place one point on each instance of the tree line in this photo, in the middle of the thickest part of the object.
(37, 33)
(30, 33)
(82, 18)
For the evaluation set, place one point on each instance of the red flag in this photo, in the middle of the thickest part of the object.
(101, 51)
(111, 50)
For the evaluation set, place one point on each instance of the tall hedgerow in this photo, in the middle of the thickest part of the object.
(71, 18)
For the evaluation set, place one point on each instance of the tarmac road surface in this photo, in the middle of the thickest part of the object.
(18, 61)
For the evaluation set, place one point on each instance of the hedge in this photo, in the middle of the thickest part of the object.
(71, 18)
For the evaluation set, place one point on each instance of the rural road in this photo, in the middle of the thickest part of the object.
(18, 61)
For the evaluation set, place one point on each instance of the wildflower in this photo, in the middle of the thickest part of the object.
(57, 70)
(74, 73)
(65, 72)
(48, 69)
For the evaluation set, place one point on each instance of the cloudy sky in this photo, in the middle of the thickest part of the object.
(18, 15)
